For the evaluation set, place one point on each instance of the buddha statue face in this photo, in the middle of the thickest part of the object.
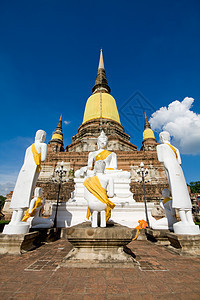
(102, 141)
(165, 193)
(164, 137)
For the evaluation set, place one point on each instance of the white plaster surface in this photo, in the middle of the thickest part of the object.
(19, 228)
(70, 214)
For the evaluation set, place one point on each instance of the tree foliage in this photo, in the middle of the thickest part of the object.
(2, 201)
(195, 187)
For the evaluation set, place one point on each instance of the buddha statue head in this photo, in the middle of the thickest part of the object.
(164, 137)
(102, 141)
(38, 192)
(40, 136)
(166, 193)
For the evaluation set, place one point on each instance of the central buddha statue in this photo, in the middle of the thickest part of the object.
(122, 194)
(110, 158)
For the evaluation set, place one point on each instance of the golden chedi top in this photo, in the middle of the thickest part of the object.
(101, 104)
(148, 132)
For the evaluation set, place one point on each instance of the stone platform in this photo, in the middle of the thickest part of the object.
(103, 247)
(184, 244)
(21, 243)
(158, 236)
(17, 243)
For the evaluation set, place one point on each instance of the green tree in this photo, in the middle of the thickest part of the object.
(195, 187)
(2, 201)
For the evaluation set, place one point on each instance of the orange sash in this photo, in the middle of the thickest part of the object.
(173, 149)
(94, 186)
(37, 158)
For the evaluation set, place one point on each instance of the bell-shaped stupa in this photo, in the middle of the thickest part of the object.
(101, 113)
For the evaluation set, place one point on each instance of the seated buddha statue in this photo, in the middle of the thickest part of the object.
(121, 178)
(110, 158)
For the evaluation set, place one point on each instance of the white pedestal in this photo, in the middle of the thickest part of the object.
(70, 214)
(16, 228)
(184, 228)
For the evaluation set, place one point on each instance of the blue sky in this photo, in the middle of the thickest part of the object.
(49, 53)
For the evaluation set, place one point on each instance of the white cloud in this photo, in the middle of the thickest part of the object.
(67, 122)
(7, 182)
(6, 188)
(181, 122)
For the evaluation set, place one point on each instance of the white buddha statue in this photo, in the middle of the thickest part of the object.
(170, 157)
(33, 215)
(110, 158)
(26, 182)
(97, 189)
(121, 178)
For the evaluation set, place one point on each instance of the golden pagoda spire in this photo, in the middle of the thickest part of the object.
(101, 105)
(101, 84)
(148, 132)
(146, 122)
(101, 63)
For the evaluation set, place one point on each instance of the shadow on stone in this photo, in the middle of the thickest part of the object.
(128, 251)
(46, 235)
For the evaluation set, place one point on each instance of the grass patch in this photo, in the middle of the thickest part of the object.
(2, 224)
(4, 221)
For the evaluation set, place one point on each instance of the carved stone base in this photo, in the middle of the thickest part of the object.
(100, 246)
(158, 236)
(184, 244)
(17, 243)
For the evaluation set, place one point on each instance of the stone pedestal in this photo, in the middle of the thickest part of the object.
(184, 244)
(158, 236)
(17, 243)
(103, 247)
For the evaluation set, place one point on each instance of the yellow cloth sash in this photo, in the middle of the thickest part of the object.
(38, 203)
(102, 155)
(37, 158)
(166, 200)
(173, 149)
(94, 186)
